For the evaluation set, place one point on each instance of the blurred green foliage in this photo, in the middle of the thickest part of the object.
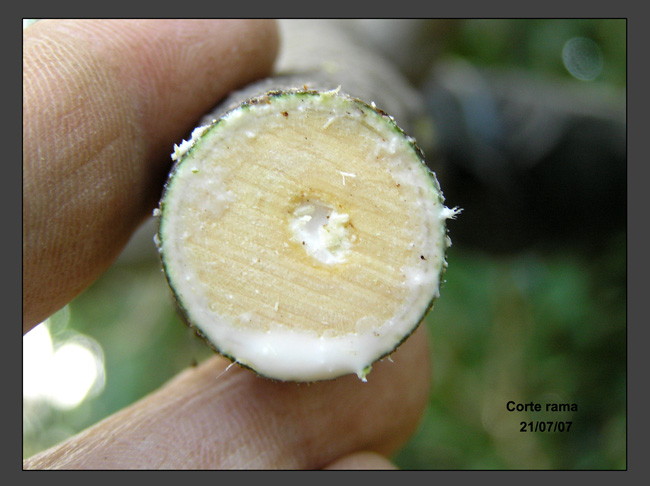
(543, 324)
(536, 44)
(543, 327)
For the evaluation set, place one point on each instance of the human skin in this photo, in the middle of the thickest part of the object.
(103, 102)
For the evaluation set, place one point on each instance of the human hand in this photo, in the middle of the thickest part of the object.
(103, 102)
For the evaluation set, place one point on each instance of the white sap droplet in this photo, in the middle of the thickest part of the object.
(322, 231)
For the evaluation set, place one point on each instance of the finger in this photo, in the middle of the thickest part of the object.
(221, 417)
(103, 103)
(362, 460)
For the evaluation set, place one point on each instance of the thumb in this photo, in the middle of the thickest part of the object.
(218, 416)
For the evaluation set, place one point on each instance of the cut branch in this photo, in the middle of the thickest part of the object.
(300, 230)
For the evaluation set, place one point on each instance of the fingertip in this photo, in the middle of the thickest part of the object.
(191, 65)
(220, 416)
(104, 101)
(363, 460)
